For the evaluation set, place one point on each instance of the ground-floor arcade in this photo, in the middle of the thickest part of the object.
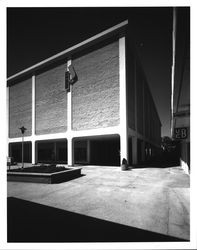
(101, 150)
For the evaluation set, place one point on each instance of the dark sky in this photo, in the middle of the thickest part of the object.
(34, 34)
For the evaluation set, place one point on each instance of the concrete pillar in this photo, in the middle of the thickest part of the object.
(134, 149)
(69, 104)
(7, 117)
(134, 138)
(123, 101)
(135, 82)
(70, 150)
(88, 151)
(70, 144)
(33, 148)
(33, 104)
(143, 93)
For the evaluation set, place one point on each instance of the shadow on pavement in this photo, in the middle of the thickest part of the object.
(32, 222)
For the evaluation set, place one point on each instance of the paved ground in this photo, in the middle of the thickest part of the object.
(152, 199)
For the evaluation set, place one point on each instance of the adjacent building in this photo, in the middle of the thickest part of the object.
(181, 94)
(89, 104)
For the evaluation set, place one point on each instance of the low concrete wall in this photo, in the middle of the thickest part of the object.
(43, 177)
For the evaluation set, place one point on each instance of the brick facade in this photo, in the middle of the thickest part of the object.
(51, 101)
(109, 79)
(95, 96)
(20, 108)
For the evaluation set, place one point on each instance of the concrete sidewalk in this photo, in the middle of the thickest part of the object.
(153, 199)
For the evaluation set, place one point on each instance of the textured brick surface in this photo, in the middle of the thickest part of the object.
(95, 96)
(51, 101)
(20, 104)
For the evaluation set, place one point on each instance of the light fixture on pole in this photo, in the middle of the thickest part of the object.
(22, 131)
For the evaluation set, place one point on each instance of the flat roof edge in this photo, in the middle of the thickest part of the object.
(86, 42)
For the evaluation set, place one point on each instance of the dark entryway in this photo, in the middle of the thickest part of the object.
(15, 151)
(130, 151)
(52, 151)
(80, 151)
(98, 150)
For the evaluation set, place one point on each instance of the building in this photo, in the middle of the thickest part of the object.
(88, 104)
(181, 93)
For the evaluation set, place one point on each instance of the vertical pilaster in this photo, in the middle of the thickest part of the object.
(70, 150)
(33, 148)
(134, 139)
(123, 104)
(135, 83)
(70, 144)
(143, 142)
(33, 118)
(69, 105)
(7, 117)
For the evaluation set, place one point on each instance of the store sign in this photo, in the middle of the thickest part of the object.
(180, 133)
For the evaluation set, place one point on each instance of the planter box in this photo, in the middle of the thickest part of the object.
(49, 178)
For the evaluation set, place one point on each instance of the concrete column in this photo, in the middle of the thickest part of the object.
(143, 94)
(135, 83)
(70, 144)
(70, 150)
(123, 103)
(69, 104)
(33, 150)
(33, 104)
(134, 138)
(33, 118)
(7, 117)
(134, 149)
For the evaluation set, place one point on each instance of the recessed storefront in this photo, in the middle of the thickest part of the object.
(52, 151)
(103, 150)
(15, 151)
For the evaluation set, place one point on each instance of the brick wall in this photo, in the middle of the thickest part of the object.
(95, 96)
(20, 105)
(51, 101)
